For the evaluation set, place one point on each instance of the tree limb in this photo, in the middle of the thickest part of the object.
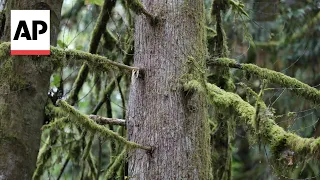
(92, 59)
(296, 86)
(271, 133)
(84, 120)
(103, 120)
(59, 56)
(116, 163)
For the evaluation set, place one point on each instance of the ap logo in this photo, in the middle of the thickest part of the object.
(30, 32)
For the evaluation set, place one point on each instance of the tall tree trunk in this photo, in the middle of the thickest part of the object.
(160, 113)
(24, 83)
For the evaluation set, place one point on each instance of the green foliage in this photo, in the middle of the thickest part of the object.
(238, 6)
(97, 2)
(61, 44)
(87, 123)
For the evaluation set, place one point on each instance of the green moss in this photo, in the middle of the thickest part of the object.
(53, 111)
(88, 147)
(226, 62)
(4, 50)
(117, 162)
(271, 133)
(9, 76)
(44, 155)
(292, 84)
(238, 6)
(83, 120)
(57, 57)
(315, 146)
(296, 86)
(194, 69)
(58, 123)
(278, 144)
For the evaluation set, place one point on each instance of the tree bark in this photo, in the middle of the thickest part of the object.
(24, 83)
(160, 114)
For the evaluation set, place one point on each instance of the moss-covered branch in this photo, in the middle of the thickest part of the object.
(62, 118)
(238, 6)
(92, 59)
(89, 124)
(57, 123)
(296, 86)
(271, 133)
(115, 165)
(59, 56)
(44, 154)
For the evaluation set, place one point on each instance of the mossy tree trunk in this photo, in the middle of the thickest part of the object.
(160, 113)
(24, 83)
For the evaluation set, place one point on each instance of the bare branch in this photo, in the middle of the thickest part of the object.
(111, 121)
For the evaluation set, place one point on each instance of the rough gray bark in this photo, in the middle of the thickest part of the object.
(24, 83)
(160, 113)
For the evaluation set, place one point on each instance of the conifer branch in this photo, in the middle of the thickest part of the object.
(84, 120)
(44, 154)
(271, 133)
(296, 86)
(117, 162)
(60, 56)
(61, 121)
(91, 59)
